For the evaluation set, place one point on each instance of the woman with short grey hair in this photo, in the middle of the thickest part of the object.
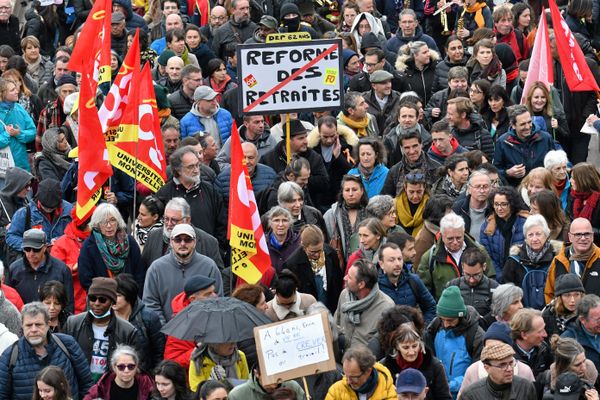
(535, 254)
(282, 241)
(291, 197)
(109, 250)
(506, 301)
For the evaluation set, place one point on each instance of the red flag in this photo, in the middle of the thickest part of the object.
(138, 149)
(203, 10)
(577, 72)
(540, 64)
(94, 168)
(116, 100)
(91, 54)
(249, 253)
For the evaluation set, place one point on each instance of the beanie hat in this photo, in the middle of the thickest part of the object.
(106, 287)
(369, 40)
(49, 193)
(499, 331)
(347, 54)
(566, 283)
(451, 304)
(196, 283)
(289, 8)
(164, 57)
(66, 79)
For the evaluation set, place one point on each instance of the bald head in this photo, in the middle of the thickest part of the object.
(173, 68)
(581, 235)
(173, 21)
(250, 156)
(218, 16)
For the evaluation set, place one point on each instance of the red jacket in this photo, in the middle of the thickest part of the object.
(179, 350)
(13, 296)
(66, 248)
(101, 390)
(518, 44)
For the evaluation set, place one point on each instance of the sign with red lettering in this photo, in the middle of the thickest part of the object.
(290, 77)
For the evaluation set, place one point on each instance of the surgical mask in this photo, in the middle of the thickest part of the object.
(106, 314)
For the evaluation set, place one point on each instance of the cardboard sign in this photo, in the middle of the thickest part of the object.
(290, 77)
(288, 37)
(294, 348)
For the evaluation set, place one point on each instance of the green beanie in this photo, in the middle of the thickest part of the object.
(451, 304)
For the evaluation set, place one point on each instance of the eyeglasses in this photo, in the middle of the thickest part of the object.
(415, 177)
(108, 222)
(174, 221)
(581, 235)
(475, 91)
(504, 204)
(31, 249)
(192, 167)
(355, 378)
(473, 276)
(121, 367)
(185, 239)
(506, 365)
(370, 65)
(481, 188)
(100, 299)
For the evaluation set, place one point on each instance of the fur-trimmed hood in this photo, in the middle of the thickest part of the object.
(556, 245)
(406, 61)
(344, 132)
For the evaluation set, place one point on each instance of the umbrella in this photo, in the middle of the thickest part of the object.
(217, 320)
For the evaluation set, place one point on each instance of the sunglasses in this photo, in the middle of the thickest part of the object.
(30, 249)
(415, 177)
(185, 239)
(121, 367)
(100, 299)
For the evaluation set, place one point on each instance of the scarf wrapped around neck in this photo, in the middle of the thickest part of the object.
(220, 87)
(114, 253)
(536, 256)
(355, 307)
(584, 204)
(477, 9)
(142, 233)
(360, 126)
(583, 257)
(407, 220)
(225, 367)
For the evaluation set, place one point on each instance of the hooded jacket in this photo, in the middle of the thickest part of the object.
(14, 114)
(101, 390)
(435, 155)
(376, 28)
(191, 123)
(476, 136)
(132, 20)
(397, 41)
(385, 389)
(419, 81)
(15, 181)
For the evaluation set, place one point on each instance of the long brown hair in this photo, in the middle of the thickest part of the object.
(586, 177)
(55, 377)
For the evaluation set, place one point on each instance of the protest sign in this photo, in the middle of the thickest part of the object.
(290, 77)
(294, 348)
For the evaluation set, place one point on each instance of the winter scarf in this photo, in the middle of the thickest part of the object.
(407, 220)
(347, 226)
(220, 87)
(51, 153)
(142, 233)
(477, 9)
(114, 253)
(355, 307)
(360, 127)
(403, 364)
(584, 257)
(581, 210)
(449, 187)
(536, 256)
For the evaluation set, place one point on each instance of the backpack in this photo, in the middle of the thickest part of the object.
(533, 285)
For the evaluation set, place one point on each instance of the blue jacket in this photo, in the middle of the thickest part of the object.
(374, 184)
(263, 177)
(590, 343)
(190, 123)
(132, 20)
(511, 151)
(28, 365)
(53, 230)
(492, 240)
(395, 42)
(14, 114)
(159, 45)
(403, 294)
(91, 265)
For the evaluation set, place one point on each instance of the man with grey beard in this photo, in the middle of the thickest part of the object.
(218, 16)
(177, 211)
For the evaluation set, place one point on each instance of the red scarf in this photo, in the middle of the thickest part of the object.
(403, 364)
(581, 210)
(219, 87)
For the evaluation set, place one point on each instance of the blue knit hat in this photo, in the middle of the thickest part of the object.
(347, 54)
(499, 331)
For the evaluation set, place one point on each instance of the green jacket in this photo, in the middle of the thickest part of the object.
(437, 268)
(252, 390)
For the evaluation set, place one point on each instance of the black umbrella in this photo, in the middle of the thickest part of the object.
(218, 320)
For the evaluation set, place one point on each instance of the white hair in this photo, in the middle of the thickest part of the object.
(105, 211)
(536, 220)
(451, 221)
(555, 157)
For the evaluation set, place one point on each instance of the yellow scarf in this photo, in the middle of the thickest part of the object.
(404, 216)
(476, 8)
(360, 127)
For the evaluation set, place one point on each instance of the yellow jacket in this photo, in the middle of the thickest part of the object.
(385, 389)
(195, 378)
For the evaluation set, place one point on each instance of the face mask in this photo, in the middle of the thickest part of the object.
(292, 23)
(106, 314)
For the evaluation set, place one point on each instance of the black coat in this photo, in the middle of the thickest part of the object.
(152, 343)
(180, 104)
(10, 34)
(336, 169)
(299, 264)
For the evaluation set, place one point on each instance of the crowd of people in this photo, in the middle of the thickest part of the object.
(446, 216)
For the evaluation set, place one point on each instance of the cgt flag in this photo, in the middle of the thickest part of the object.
(577, 72)
(249, 253)
(94, 168)
(91, 54)
(540, 66)
(138, 148)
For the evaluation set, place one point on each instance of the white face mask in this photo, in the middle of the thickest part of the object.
(106, 314)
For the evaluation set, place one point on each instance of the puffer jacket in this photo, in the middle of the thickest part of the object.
(253, 390)
(440, 78)
(511, 151)
(478, 297)
(262, 178)
(492, 240)
(202, 359)
(433, 371)
(21, 377)
(190, 123)
(101, 390)
(437, 266)
(419, 81)
(152, 340)
(456, 348)
(385, 389)
(181, 104)
(562, 265)
(264, 144)
(14, 114)
(476, 136)
(53, 229)
(374, 184)
(403, 293)
(118, 331)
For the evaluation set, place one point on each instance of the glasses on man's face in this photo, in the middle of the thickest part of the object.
(184, 239)
(474, 277)
(481, 188)
(505, 365)
(354, 378)
(31, 249)
(122, 367)
(100, 299)
(192, 167)
(582, 235)
(174, 221)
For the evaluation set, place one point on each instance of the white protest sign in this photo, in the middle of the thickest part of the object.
(290, 77)
(294, 348)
